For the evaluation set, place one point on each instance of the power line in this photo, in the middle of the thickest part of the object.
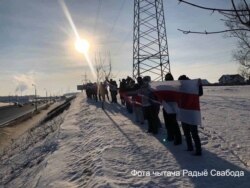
(97, 15)
(122, 43)
(116, 18)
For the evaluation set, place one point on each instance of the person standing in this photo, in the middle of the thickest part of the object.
(138, 112)
(122, 90)
(171, 124)
(113, 90)
(150, 106)
(191, 131)
(102, 92)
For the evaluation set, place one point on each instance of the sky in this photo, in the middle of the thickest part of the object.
(37, 42)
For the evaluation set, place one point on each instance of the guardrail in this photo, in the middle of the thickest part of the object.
(58, 110)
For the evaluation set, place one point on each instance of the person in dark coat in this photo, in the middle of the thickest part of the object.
(122, 89)
(113, 90)
(171, 124)
(191, 131)
(138, 112)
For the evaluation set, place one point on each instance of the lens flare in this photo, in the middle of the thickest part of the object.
(81, 45)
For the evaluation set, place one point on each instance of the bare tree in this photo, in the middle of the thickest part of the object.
(98, 69)
(107, 67)
(237, 22)
(103, 66)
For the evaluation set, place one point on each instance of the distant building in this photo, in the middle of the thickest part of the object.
(231, 79)
(205, 82)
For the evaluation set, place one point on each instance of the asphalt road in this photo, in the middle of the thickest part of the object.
(11, 112)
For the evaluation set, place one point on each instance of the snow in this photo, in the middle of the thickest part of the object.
(89, 147)
(226, 112)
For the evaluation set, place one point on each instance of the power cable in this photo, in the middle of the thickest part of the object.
(97, 15)
(116, 18)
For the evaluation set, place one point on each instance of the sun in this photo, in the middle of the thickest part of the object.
(82, 46)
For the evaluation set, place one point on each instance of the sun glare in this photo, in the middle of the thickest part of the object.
(82, 46)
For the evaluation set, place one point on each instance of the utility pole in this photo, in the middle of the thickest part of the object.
(9, 98)
(46, 99)
(150, 48)
(35, 97)
(85, 78)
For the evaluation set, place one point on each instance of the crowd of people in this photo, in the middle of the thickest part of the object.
(99, 92)
(139, 99)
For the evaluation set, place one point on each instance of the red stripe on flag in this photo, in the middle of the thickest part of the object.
(127, 98)
(184, 100)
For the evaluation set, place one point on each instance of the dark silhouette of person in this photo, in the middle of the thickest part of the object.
(138, 111)
(113, 90)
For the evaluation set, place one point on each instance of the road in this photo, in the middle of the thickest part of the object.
(11, 112)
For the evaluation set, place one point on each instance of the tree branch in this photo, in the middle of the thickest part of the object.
(248, 9)
(237, 22)
(231, 21)
(212, 9)
(232, 14)
(212, 32)
(238, 16)
(243, 39)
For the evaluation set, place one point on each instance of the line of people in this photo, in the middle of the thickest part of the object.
(144, 105)
(100, 91)
(141, 101)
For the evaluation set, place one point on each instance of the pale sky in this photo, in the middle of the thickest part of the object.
(37, 42)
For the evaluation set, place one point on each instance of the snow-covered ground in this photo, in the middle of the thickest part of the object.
(226, 113)
(89, 147)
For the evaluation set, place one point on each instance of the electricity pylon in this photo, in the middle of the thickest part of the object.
(150, 48)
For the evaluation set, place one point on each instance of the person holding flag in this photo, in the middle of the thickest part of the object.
(191, 130)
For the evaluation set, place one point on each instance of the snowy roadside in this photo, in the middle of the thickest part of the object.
(26, 155)
(10, 133)
(96, 148)
(226, 112)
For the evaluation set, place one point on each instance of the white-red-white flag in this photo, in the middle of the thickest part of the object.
(180, 97)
